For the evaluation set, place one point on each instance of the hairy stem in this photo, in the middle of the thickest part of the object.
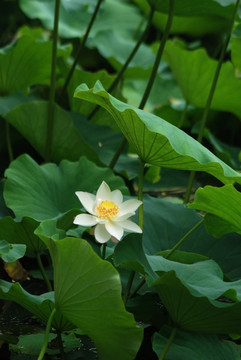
(159, 55)
(184, 238)
(140, 221)
(103, 251)
(140, 194)
(183, 116)
(168, 344)
(82, 44)
(171, 252)
(128, 286)
(118, 153)
(210, 96)
(128, 60)
(51, 106)
(8, 141)
(153, 73)
(43, 272)
(46, 336)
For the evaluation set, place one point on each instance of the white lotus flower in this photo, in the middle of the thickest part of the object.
(108, 212)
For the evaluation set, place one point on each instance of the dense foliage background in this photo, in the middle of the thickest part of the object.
(145, 95)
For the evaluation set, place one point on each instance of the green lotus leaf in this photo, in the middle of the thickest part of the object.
(235, 44)
(224, 202)
(190, 292)
(187, 345)
(191, 17)
(156, 141)
(116, 49)
(11, 252)
(48, 229)
(193, 8)
(39, 305)
(75, 16)
(88, 293)
(199, 69)
(16, 232)
(48, 191)
(165, 224)
(22, 65)
(67, 141)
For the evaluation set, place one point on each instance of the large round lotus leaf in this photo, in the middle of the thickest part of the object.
(74, 16)
(48, 191)
(165, 224)
(88, 293)
(223, 8)
(190, 293)
(22, 65)
(191, 17)
(156, 141)
(194, 71)
(67, 142)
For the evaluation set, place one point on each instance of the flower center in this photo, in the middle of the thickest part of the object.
(107, 210)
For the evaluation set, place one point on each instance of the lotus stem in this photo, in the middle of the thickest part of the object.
(159, 55)
(43, 272)
(46, 336)
(51, 105)
(82, 44)
(210, 96)
(170, 340)
(128, 60)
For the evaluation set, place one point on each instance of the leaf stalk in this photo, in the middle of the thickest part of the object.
(43, 272)
(158, 56)
(168, 344)
(51, 105)
(126, 64)
(46, 336)
(210, 96)
(82, 44)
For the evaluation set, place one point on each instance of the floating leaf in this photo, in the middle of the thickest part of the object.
(48, 191)
(11, 252)
(156, 141)
(16, 232)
